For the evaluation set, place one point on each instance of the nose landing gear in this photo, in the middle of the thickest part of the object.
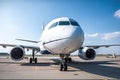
(64, 60)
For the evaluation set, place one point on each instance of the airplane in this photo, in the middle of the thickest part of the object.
(61, 36)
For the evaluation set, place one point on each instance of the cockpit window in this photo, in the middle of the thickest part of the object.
(64, 23)
(53, 25)
(74, 23)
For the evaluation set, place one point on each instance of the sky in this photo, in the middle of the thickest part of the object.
(99, 19)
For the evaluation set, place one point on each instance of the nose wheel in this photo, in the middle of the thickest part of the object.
(63, 67)
(64, 60)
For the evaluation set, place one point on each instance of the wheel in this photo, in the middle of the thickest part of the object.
(65, 67)
(35, 60)
(61, 67)
(30, 60)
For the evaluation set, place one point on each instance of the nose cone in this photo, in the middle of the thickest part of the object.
(75, 40)
(66, 40)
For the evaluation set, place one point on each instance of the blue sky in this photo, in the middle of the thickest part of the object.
(100, 19)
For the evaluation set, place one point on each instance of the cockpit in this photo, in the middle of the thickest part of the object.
(64, 23)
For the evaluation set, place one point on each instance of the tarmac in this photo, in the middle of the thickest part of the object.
(48, 68)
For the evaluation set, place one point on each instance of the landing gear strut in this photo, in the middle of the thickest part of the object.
(33, 59)
(64, 60)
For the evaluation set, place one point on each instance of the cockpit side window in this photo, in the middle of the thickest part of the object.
(64, 23)
(53, 25)
(74, 23)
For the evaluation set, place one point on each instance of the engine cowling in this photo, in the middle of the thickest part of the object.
(17, 53)
(87, 53)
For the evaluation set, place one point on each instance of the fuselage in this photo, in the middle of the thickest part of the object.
(62, 36)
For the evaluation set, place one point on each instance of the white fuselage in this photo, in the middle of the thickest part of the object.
(62, 39)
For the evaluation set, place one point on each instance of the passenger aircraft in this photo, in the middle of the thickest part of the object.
(61, 36)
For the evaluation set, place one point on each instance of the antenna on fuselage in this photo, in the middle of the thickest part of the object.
(42, 26)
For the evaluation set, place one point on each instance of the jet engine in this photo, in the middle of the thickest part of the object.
(87, 53)
(17, 53)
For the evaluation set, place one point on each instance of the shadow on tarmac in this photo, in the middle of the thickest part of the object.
(38, 64)
(97, 67)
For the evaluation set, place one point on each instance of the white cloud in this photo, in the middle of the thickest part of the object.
(117, 13)
(105, 36)
(93, 35)
(111, 36)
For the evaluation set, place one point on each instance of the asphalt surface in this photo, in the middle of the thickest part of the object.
(48, 68)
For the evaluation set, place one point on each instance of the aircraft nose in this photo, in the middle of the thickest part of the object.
(76, 38)
(68, 39)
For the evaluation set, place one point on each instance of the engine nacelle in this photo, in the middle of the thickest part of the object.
(17, 53)
(87, 53)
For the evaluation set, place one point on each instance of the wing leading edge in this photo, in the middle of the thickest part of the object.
(24, 46)
(98, 46)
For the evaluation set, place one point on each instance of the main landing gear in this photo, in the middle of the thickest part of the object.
(33, 59)
(64, 60)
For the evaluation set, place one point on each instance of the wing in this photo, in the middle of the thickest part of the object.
(24, 46)
(98, 46)
(28, 40)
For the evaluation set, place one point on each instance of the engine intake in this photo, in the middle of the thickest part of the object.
(87, 54)
(17, 53)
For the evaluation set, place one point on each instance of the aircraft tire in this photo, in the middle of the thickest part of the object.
(30, 60)
(61, 67)
(35, 60)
